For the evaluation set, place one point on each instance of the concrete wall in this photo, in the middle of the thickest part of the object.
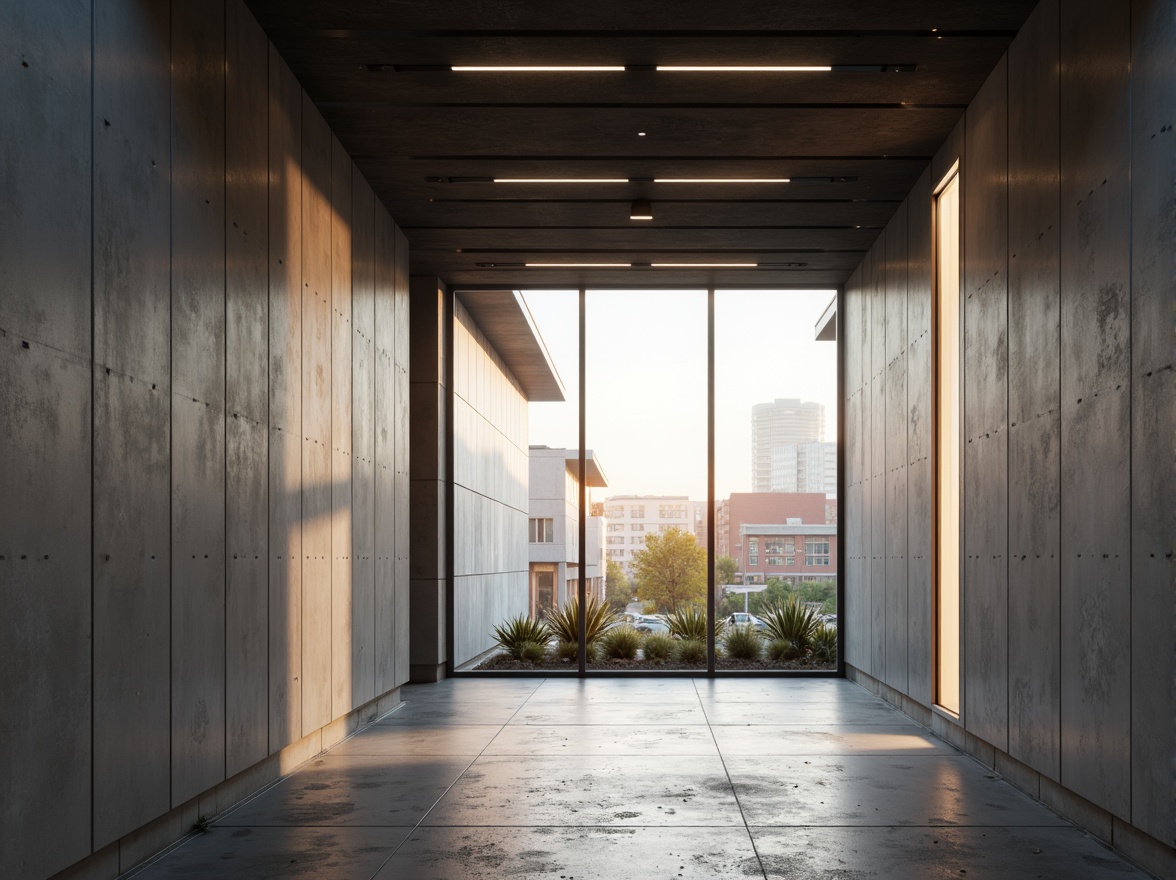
(203, 339)
(1067, 158)
(490, 491)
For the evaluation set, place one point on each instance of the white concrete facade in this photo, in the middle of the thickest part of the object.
(629, 519)
(553, 530)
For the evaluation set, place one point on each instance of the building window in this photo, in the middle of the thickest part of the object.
(752, 560)
(775, 560)
(616, 539)
(637, 527)
(615, 512)
(671, 511)
(816, 552)
(790, 545)
(616, 527)
(542, 530)
(790, 560)
(637, 511)
(637, 539)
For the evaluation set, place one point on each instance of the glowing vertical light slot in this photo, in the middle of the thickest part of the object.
(947, 443)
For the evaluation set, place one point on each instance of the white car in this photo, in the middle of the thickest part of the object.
(742, 618)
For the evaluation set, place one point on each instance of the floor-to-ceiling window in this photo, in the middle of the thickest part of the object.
(625, 527)
(947, 445)
(776, 502)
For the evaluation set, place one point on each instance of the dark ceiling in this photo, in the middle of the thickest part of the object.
(420, 134)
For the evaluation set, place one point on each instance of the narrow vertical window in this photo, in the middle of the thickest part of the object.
(947, 442)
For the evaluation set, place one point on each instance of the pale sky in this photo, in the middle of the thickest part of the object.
(646, 414)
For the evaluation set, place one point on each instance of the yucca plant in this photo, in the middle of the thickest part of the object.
(518, 632)
(825, 642)
(779, 650)
(657, 648)
(689, 623)
(743, 643)
(691, 652)
(620, 643)
(793, 621)
(564, 622)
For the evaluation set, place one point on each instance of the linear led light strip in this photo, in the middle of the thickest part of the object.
(651, 265)
(672, 68)
(629, 180)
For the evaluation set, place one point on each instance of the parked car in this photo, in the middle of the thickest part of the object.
(650, 623)
(742, 618)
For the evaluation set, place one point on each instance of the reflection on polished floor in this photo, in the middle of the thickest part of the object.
(641, 778)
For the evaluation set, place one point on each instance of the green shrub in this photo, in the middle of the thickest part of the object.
(536, 652)
(649, 608)
(825, 643)
(657, 648)
(692, 652)
(779, 650)
(743, 643)
(792, 621)
(567, 651)
(519, 631)
(620, 643)
(564, 622)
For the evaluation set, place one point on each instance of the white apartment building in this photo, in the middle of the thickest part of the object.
(553, 528)
(629, 519)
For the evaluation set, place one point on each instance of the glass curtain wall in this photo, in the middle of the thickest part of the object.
(628, 521)
(776, 504)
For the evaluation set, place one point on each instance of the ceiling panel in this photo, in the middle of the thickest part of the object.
(431, 140)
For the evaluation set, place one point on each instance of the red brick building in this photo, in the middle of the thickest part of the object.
(787, 535)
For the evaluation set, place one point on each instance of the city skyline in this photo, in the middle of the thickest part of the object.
(647, 379)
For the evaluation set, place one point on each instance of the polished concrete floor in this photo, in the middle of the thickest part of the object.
(641, 778)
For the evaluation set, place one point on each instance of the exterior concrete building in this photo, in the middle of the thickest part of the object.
(264, 376)
(553, 534)
(629, 519)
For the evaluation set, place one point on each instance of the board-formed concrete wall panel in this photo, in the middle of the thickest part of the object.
(131, 426)
(920, 437)
(198, 400)
(1153, 417)
(894, 297)
(246, 391)
(984, 222)
(1067, 277)
(177, 414)
(45, 419)
(317, 494)
(1034, 394)
(1096, 397)
(342, 609)
(285, 344)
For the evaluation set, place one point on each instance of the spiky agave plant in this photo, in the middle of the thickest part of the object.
(825, 642)
(689, 623)
(516, 634)
(598, 617)
(793, 621)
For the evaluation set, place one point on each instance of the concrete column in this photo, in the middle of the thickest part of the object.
(428, 608)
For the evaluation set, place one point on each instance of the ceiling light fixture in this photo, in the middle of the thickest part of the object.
(641, 210)
(537, 68)
(704, 265)
(722, 180)
(578, 265)
(759, 68)
(561, 180)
